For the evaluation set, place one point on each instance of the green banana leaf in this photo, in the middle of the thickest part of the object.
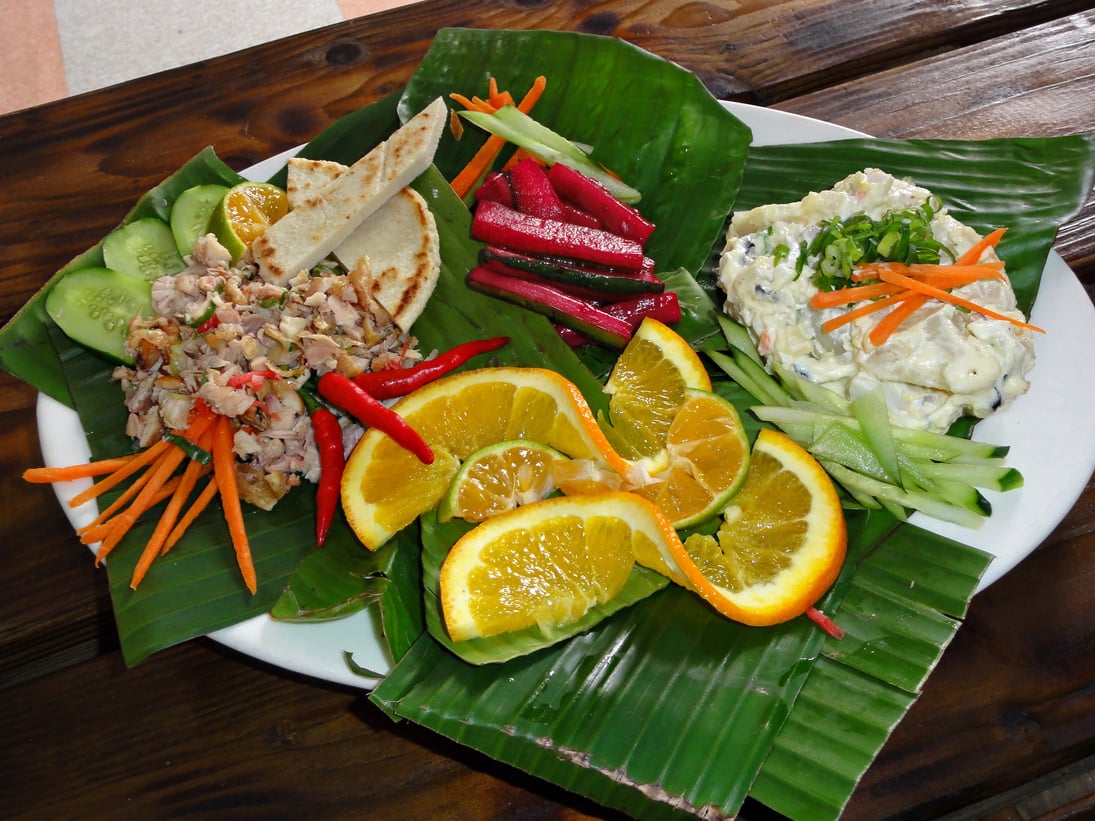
(713, 694)
(862, 685)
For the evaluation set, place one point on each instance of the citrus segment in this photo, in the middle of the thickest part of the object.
(781, 542)
(385, 488)
(498, 478)
(244, 214)
(547, 563)
(708, 460)
(647, 385)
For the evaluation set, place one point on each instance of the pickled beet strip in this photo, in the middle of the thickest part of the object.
(590, 195)
(495, 188)
(496, 224)
(533, 193)
(563, 308)
(589, 293)
(664, 307)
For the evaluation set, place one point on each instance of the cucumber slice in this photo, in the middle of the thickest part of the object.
(144, 249)
(191, 212)
(873, 415)
(94, 307)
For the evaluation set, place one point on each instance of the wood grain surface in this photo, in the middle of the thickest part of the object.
(1007, 721)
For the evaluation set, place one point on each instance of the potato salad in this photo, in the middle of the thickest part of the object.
(943, 362)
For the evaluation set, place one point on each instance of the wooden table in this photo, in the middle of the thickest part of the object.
(1006, 723)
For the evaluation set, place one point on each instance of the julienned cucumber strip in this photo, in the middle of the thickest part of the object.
(918, 443)
(991, 474)
(516, 127)
(751, 376)
(931, 505)
(739, 338)
(873, 415)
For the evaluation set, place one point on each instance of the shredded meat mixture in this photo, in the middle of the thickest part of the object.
(217, 322)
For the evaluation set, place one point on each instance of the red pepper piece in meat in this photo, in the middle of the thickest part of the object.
(392, 384)
(251, 379)
(344, 393)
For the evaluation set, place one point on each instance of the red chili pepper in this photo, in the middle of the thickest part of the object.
(343, 392)
(209, 324)
(332, 462)
(401, 381)
(252, 379)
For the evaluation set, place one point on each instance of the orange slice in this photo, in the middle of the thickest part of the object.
(246, 211)
(385, 488)
(706, 461)
(647, 386)
(498, 478)
(781, 543)
(547, 563)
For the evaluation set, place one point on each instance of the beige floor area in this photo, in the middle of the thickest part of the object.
(56, 48)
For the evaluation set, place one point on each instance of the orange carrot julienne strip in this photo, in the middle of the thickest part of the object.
(193, 471)
(145, 457)
(161, 472)
(127, 494)
(869, 308)
(947, 296)
(486, 155)
(121, 523)
(892, 321)
(473, 103)
(981, 270)
(855, 293)
(192, 513)
(990, 240)
(224, 469)
(98, 529)
(45, 475)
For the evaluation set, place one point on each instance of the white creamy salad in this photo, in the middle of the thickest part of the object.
(942, 363)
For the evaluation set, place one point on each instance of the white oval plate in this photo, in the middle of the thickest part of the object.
(1049, 430)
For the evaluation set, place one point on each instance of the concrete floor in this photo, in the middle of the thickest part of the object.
(56, 48)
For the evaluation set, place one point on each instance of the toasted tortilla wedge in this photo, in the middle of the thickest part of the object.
(403, 251)
(324, 220)
(396, 251)
(307, 178)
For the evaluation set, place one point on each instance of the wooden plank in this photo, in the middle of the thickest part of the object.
(197, 732)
